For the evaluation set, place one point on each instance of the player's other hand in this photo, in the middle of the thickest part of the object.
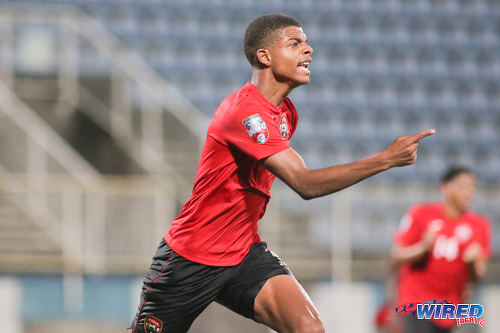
(473, 257)
(428, 239)
(403, 151)
(472, 253)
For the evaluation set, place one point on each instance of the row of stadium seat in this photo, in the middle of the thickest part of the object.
(162, 49)
(390, 66)
(326, 25)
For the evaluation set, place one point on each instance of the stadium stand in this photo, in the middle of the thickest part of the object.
(381, 69)
(415, 62)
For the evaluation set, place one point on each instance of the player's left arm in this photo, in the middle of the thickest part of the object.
(476, 261)
(289, 166)
(415, 252)
(477, 253)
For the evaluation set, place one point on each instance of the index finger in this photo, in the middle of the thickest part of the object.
(420, 135)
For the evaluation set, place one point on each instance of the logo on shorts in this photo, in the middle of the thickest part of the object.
(256, 128)
(152, 325)
(284, 127)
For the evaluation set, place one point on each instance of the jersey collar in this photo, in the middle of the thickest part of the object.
(258, 95)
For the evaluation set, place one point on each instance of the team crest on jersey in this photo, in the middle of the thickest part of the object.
(284, 127)
(436, 225)
(463, 232)
(152, 325)
(256, 128)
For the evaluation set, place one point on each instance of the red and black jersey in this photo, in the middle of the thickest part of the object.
(444, 275)
(218, 224)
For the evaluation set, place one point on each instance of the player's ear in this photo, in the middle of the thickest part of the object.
(264, 57)
(444, 188)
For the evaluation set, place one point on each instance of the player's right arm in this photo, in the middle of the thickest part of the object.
(309, 184)
(476, 255)
(413, 241)
(415, 252)
(475, 261)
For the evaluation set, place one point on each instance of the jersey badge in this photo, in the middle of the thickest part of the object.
(284, 127)
(463, 233)
(256, 128)
(435, 225)
(152, 325)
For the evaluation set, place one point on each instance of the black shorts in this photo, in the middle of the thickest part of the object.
(415, 325)
(176, 290)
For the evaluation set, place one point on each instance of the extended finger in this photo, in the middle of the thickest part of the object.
(420, 135)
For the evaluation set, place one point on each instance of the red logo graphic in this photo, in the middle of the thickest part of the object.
(256, 128)
(152, 325)
(284, 127)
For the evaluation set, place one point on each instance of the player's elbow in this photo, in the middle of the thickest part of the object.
(396, 256)
(301, 180)
(477, 271)
(303, 188)
(306, 195)
(306, 192)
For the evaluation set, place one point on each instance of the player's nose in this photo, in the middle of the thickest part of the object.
(308, 49)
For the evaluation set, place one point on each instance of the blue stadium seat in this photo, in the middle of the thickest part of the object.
(390, 66)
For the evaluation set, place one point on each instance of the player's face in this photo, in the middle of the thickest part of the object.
(290, 57)
(460, 190)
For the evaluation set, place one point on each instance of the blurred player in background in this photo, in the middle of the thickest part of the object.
(442, 249)
(386, 320)
(213, 251)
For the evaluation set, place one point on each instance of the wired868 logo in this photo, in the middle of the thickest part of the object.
(462, 313)
(442, 309)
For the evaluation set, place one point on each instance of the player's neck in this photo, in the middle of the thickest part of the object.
(452, 211)
(274, 91)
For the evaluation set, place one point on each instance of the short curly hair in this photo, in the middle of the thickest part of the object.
(260, 33)
(453, 172)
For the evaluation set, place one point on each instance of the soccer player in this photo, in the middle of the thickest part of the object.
(212, 252)
(441, 248)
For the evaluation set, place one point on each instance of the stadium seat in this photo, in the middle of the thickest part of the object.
(392, 64)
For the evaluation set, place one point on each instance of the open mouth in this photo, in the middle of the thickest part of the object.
(304, 64)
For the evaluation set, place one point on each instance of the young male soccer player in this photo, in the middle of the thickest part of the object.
(213, 251)
(441, 247)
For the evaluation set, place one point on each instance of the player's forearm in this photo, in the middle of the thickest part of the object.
(309, 184)
(477, 269)
(409, 254)
(316, 183)
(475, 261)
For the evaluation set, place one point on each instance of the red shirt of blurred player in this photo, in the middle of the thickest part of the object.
(218, 224)
(447, 245)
